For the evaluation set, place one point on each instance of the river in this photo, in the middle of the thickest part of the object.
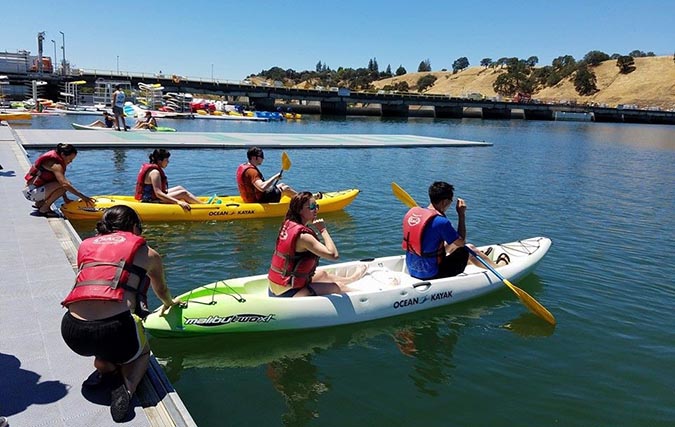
(605, 195)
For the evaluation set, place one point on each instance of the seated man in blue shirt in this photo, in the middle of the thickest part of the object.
(434, 249)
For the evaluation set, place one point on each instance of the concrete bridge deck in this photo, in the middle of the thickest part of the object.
(40, 377)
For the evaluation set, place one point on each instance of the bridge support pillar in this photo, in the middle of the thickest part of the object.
(538, 114)
(448, 112)
(262, 104)
(334, 108)
(496, 113)
(394, 110)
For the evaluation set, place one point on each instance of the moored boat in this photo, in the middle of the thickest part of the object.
(242, 305)
(19, 115)
(215, 208)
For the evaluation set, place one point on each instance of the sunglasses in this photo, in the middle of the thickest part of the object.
(313, 207)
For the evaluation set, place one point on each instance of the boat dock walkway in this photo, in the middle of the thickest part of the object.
(40, 377)
(37, 138)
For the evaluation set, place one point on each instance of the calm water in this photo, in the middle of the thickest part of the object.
(603, 192)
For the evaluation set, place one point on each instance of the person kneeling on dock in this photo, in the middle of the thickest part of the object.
(108, 301)
(252, 185)
(152, 184)
(298, 249)
(46, 180)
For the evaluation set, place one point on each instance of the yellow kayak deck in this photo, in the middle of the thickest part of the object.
(219, 208)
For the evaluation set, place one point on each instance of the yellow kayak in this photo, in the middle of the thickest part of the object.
(218, 208)
(15, 116)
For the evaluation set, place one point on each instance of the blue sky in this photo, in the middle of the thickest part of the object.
(233, 39)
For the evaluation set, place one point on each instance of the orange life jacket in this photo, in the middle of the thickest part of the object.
(249, 193)
(414, 223)
(37, 175)
(140, 180)
(104, 265)
(291, 269)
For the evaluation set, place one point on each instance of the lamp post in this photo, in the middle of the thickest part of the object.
(63, 47)
(118, 64)
(54, 61)
(211, 72)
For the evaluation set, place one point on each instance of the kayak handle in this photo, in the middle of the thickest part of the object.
(367, 260)
(420, 284)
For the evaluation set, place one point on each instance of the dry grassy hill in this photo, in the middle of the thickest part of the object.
(652, 84)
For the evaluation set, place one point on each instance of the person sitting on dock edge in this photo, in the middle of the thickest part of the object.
(253, 187)
(148, 122)
(152, 184)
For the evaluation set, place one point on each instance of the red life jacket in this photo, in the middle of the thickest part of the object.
(140, 180)
(38, 175)
(247, 190)
(414, 223)
(104, 265)
(291, 269)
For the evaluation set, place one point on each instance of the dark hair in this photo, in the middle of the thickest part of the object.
(253, 152)
(158, 155)
(118, 218)
(295, 207)
(440, 190)
(65, 149)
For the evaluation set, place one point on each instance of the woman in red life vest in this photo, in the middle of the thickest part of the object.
(298, 249)
(46, 180)
(152, 184)
(115, 269)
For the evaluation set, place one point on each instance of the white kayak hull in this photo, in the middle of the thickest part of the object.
(386, 290)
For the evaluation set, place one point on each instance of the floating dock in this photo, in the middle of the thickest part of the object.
(39, 138)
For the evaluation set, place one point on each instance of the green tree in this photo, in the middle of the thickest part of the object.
(319, 66)
(424, 66)
(584, 81)
(486, 62)
(425, 82)
(401, 71)
(460, 64)
(387, 72)
(626, 64)
(506, 84)
(637, 54)
(595, 57)
(532, 61)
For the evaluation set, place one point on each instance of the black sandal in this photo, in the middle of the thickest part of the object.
(119, 403)
(48, 214)
(503, 257)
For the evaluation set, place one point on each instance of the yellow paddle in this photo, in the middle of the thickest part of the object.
(285, 163)
(532, 304)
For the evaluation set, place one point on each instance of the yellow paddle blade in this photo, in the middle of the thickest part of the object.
(285, 161)
(403, 196)
(531, 303)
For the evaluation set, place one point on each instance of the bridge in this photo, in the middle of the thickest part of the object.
(341, 102)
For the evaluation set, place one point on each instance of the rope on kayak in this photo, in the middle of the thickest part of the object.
(237, 295)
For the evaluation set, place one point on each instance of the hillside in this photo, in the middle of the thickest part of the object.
(652, 84)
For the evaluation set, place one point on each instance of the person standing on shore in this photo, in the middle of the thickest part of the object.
(118, 98)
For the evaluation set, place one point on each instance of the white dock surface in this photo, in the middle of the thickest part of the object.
(44, 138)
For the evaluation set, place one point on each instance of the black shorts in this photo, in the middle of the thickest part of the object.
(453, 264)
(118, 111)
(119, 339)
(272, 196)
